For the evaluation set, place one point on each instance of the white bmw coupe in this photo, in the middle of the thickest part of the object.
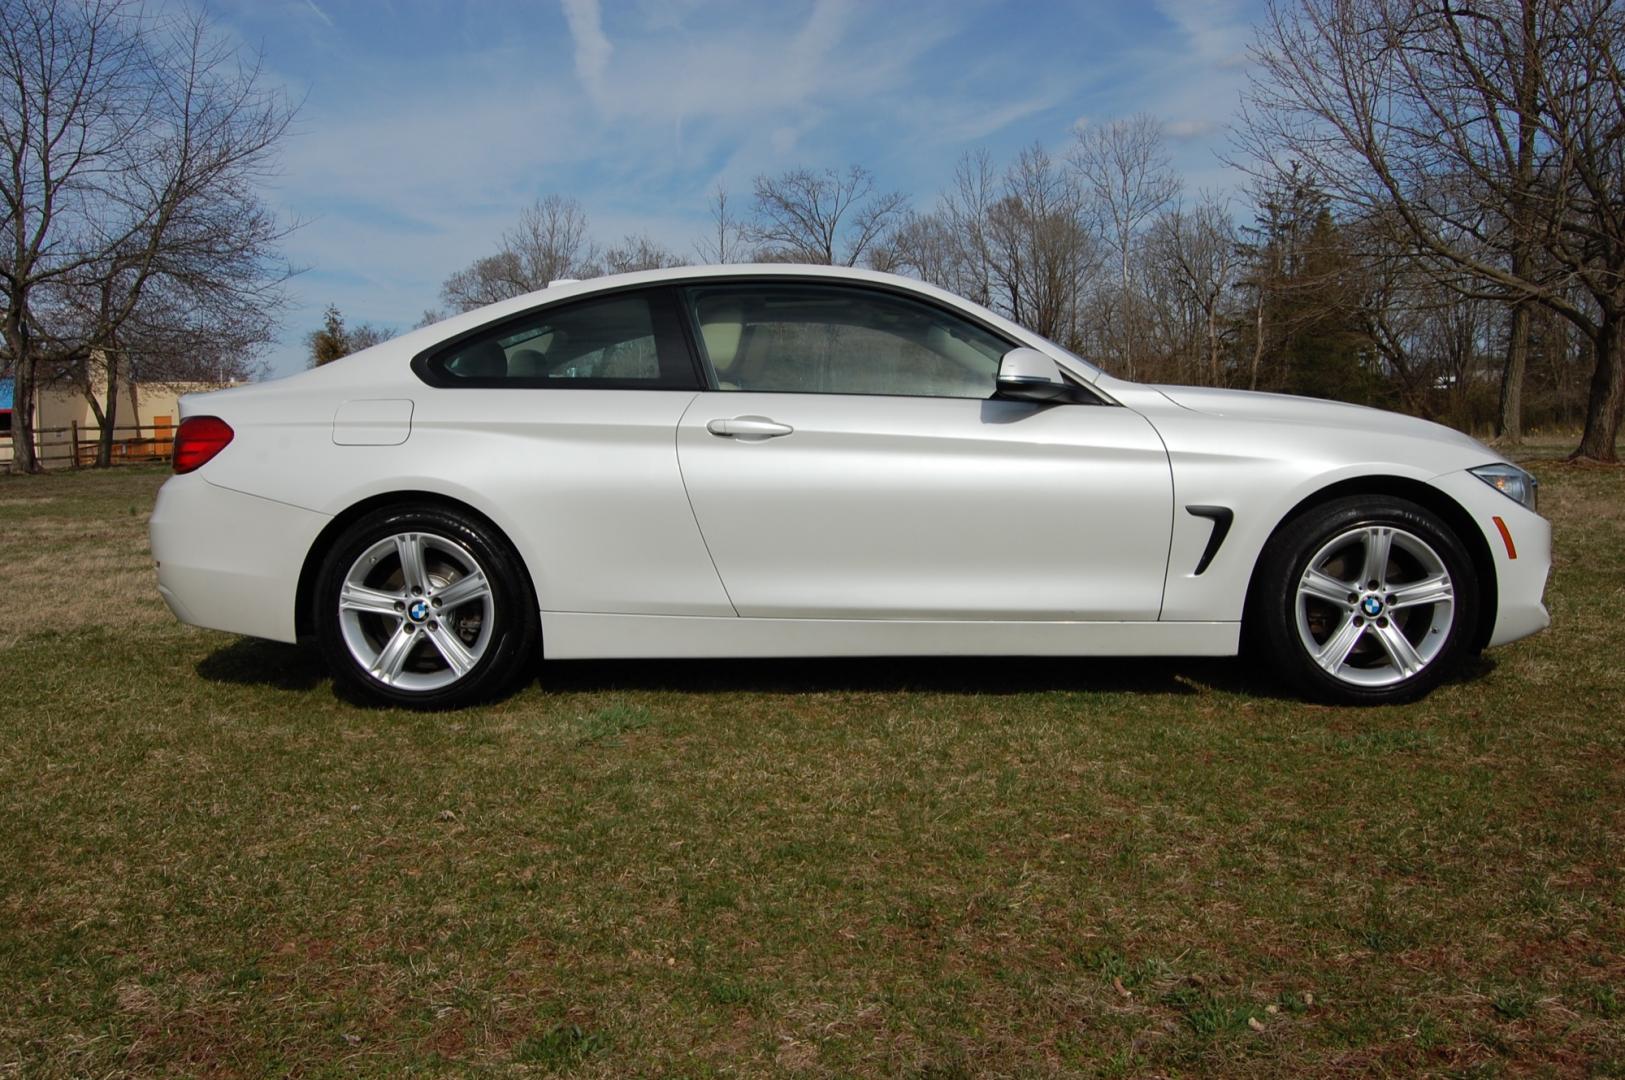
(783, 461)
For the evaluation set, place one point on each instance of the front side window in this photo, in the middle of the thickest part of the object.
(832, 339)
(627, 340)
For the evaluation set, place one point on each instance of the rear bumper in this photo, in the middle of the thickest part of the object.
(1521, 566)
(229, 561)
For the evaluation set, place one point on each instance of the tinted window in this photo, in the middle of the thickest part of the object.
(824, 339)
(613, 341)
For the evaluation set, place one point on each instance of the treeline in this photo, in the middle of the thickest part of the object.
(1432, 218)
(1102, 248)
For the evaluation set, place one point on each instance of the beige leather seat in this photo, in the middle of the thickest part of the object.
(722, 326)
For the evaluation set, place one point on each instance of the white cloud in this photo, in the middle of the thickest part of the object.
(1189, 129)
(818, 36)
(783, 139)
(592, 47)
(980, 120)
(423, 174)
(411, 167)
(1192, 79)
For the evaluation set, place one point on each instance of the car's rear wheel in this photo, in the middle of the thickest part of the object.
(1366, 600)
(426, 608)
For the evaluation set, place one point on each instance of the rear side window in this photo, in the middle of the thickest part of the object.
(621, 341)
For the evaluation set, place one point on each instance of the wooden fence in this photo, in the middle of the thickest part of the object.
(75, 446)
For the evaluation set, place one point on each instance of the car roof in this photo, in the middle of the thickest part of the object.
(568, 290)
(564, 290)
(355, 368)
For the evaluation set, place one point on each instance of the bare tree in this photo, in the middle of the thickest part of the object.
(1455, 351)
(949, 246)
(1040, 251)
(1521, 52)
(1394, 301)
(926, 246)
(966, 210)
(487, 280)
(640, 252)
(726, 241)
(1125, 172)
(826, 216)
(1488, 134)
(131, 144)
(1015, 242)
(1198, 252)
(549, 242)
(176, 335)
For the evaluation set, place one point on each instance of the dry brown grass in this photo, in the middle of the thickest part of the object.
(70, 565)
(212, 866)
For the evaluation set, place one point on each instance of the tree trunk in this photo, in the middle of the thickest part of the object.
(1606, 405)
(109, 417)
(23, 458)
(1213, 345)
(1509, 424)
(1258, 342)
(1128, 342)
(96, 411)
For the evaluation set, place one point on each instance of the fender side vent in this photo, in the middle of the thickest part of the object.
(1222, 517)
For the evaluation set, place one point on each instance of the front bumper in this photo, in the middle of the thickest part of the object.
(230, 561)
(1521, 566)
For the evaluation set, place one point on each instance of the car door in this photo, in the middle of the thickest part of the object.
(852, 464)
(562, 420)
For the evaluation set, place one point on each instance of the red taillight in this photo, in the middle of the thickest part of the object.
(198, 439)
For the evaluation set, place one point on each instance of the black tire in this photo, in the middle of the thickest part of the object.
(1302, 627)
(410, 656)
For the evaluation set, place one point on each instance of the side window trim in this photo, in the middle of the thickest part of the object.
(708, 373)
(1087, 394)
(671, 347)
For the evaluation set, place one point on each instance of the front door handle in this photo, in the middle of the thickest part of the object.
(749, 428)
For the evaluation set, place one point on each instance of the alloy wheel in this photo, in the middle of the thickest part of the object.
(1374, 606)
(416, 611)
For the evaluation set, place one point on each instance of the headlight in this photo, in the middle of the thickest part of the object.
(1510, 481)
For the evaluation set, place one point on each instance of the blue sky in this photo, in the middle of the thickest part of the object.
(426, 126)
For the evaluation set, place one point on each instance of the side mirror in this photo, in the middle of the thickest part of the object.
(1029, 375)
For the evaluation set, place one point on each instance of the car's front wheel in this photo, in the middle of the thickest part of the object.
(1366, 600)
(426, 608)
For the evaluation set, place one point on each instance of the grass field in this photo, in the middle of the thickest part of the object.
(209, 865)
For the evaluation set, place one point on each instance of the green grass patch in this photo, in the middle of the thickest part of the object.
(210, 865)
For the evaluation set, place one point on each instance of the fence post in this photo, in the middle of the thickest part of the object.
(75, 436)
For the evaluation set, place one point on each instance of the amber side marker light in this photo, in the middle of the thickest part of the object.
(1506, 537)
(198, 440)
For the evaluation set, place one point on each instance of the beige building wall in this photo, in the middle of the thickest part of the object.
(154, 406)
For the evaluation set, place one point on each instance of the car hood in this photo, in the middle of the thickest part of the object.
(1317, 412)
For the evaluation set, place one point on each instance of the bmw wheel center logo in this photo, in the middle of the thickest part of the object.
(419, 610)
(1371, 605)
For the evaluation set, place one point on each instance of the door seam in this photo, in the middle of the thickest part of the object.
(677, 452)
